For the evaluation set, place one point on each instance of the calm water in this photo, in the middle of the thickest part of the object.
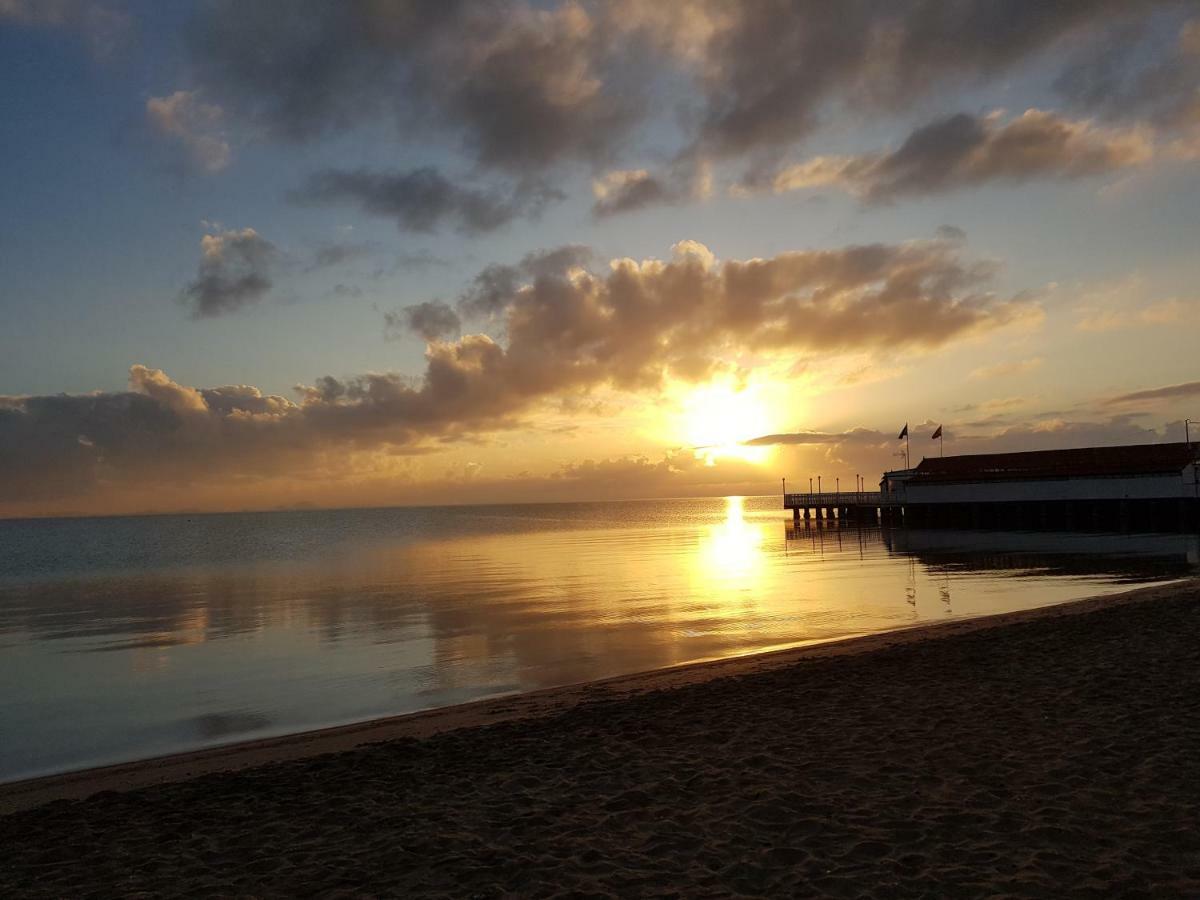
(134, 637)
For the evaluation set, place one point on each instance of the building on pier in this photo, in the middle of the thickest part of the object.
(1141, 487)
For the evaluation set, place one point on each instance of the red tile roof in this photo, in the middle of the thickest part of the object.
(1138, 459)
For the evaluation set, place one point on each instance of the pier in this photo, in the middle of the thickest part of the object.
(851, 506)
(1146, 487)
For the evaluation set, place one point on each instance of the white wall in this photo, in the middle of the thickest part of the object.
(1144, 488)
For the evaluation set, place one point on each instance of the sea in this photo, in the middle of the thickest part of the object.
(127, 638)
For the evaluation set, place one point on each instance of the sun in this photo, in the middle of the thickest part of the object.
(716, 419)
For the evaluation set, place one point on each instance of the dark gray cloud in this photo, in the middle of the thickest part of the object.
(773, 68)
(1168, 392)
(302, 69)
(565, 330)
(525, 86)
(411, 262)
(336, 254)
(105, 26)
(70, 445)
(432, 320)
(1143, 70)
(965, 151)
(628, 190)
(423, 199)
(491, 290)
(951, 233)
(235, 270)
(521, 87)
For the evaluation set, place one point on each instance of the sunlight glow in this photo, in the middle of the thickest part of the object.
(717, 417)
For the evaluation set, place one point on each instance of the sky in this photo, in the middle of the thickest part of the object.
(292, 254)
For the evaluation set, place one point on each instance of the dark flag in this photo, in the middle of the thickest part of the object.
(937, 434)
(903, 432)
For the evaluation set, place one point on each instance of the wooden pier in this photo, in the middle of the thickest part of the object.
(850, 506)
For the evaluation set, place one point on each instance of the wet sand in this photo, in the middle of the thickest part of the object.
(1051, 752)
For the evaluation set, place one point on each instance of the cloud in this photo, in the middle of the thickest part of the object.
(998, 404)
(856, 435)
(521, 87)
(564, 330)
(967, 151)
(492, 288)
(104, 27)
(336, 254)
(235, 271)
(1189, 38)
(567, 328)
(1057, 434)
(628, 190)
(69, 444)
(1153, 395)
(431, 321)
(1133, 73)
(1112, 318)
(772, 69)
(196, 125)
(643, 319)
(870, 450)
(624, 190)
(421, 260)
(1007, 369)
(423, 199)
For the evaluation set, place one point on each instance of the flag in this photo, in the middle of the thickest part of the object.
(903, 432)
(937, 434)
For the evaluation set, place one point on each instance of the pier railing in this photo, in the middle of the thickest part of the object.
(829, 499)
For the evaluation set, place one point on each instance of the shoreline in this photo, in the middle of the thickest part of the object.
(1032, 754)
(31, 793)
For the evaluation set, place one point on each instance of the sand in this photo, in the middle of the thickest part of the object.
(1050, 753)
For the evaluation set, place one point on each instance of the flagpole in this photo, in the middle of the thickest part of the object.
(907, 450)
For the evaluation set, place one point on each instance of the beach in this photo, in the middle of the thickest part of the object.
(1048, 752)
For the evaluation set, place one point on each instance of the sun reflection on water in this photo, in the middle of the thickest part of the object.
(731, 553)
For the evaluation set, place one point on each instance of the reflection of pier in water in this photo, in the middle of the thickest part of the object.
(1122, 556)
